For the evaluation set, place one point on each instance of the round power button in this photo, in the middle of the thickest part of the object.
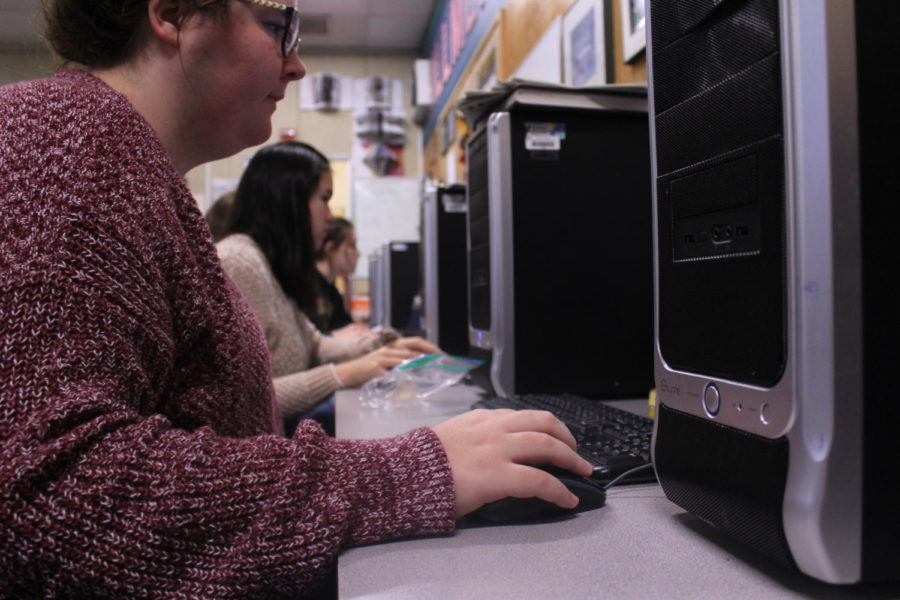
(712, 401)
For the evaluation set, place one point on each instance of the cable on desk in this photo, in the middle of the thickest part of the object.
(631, 471)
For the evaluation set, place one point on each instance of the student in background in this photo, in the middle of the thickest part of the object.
(218, 217)
(138, 454)
(336, 258)
(280, 216)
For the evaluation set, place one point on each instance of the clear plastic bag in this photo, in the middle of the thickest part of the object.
(415, 379)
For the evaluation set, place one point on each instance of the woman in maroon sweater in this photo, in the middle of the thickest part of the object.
(138, 454)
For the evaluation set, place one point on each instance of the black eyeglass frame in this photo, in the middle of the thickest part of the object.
(290, 40)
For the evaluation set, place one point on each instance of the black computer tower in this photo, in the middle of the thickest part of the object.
(445, 280)
(377, 294)
(775, 204)
(560, 248)
(401, 284)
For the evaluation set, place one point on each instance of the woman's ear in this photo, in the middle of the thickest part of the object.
(165, 20)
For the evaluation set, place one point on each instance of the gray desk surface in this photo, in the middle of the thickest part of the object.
(639, 545)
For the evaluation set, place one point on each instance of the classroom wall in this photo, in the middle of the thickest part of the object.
(519, 25)
(523, 22)
(331, 133)
(21, 65)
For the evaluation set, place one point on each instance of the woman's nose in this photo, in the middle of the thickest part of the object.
(294, 67)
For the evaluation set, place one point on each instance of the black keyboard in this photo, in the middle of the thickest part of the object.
(611, 438)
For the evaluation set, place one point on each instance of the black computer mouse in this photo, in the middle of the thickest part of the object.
(591, 495)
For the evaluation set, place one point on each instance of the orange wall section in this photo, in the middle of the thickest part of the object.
(524, 23)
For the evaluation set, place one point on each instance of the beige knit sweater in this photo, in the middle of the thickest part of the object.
(302, 358)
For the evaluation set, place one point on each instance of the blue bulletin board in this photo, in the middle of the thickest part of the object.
(454, 35)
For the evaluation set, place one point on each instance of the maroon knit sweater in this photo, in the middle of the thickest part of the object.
(137, 458)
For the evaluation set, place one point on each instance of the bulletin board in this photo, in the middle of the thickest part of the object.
(384, 208)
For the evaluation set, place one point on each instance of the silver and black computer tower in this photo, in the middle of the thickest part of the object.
(376, 287)
(560, 248)
(394, 282)
(445, 282)
(777, 326)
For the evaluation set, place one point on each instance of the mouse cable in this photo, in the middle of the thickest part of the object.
(622, 476)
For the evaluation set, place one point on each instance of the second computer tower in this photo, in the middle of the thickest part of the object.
(394, 283)
(445, 297)
(560, 249)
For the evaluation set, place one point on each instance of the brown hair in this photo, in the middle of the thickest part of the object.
(104, 33)
(218, 217)
(272, 207)
(338, 230)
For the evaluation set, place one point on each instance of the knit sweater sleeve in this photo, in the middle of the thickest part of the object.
(299, 392)
(329, 349)
(136, 458)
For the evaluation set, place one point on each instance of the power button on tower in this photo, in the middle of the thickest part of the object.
(712, 401)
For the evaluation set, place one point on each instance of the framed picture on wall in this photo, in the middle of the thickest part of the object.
(448, 130)
(584, 43)
(634, 33)
(487, 71)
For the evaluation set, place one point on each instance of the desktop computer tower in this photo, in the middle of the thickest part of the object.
(395, 273)
(376, 288)
(777, 330)
(560, 248)
(445, 281)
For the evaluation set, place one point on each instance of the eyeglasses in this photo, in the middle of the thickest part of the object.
(290, 37)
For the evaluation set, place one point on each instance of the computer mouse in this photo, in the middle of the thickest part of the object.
(591, 495)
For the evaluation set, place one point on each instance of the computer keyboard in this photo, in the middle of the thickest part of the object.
(611, 438)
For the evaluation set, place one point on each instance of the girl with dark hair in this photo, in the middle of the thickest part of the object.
(336, 259)
(280, 216)
(138, 449)
(273, 205)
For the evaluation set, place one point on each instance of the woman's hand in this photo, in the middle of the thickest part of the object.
(415, 344)
(490, 452)
(354, 373)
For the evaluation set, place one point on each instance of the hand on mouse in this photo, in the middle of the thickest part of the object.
(490, 450)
